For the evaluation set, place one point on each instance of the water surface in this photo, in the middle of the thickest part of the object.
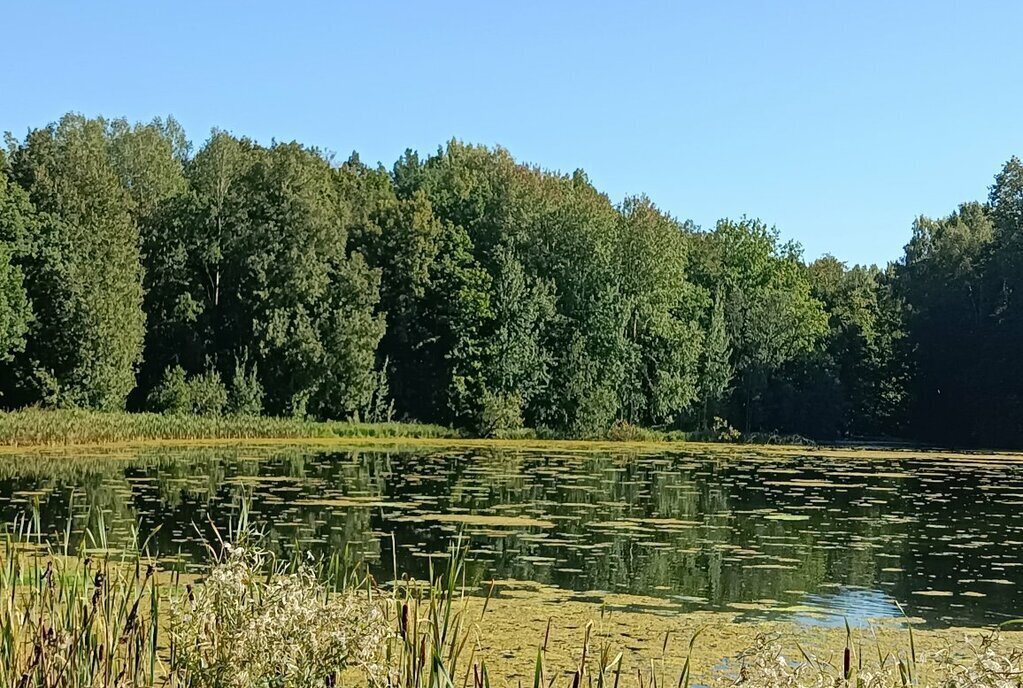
(811, 538)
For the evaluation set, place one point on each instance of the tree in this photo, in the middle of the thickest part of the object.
(716, 368)
(16, 216)
(486, 206)
(185, 244)
(149, 159)
(944, 279)
(1002, 418)
(82, 270)
(771, 316)
(252, 263)
(663, 340)
(517, 363)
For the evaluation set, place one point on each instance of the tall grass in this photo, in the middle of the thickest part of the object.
(68, 622)
(45, 427)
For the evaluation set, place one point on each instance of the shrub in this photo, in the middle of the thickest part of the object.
(208, 394)
(172, 394)
(624, 431)
(380, 407)
(243, 627)
(500, 414)
(724, 432)
(246, 395)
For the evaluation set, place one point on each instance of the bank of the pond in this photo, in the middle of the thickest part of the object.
(36, 427)
(46, 429)
(43, 427)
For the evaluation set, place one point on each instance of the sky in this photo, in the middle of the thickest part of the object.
(837, 122)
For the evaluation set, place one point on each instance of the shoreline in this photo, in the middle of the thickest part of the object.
(57, 431)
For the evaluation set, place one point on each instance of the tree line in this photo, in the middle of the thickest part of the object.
(467, 288)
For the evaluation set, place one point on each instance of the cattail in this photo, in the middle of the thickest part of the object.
(404, 621)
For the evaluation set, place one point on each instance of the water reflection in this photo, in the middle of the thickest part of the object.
(802, 537)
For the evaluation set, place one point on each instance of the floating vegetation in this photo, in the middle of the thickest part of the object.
(686, 526)
(485, 520)
(107, 617)
(786, 517)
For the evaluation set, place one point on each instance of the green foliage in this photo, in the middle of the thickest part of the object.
(173, 394)
(469, 289)
(380, 407)
(662, 340)
(35, 427)
(16, 216)
(245, 397)
(207, 393)
(15, 312)
(500, 415)
(771, 315)
(253, 261)
(723, 431)
(716, 368)
(81, 267)
(203, 394)
(624, 431)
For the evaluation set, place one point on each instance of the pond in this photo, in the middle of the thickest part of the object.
(766, 534)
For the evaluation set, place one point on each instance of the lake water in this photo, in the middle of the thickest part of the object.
(811, 538)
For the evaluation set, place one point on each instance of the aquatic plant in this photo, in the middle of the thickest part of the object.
(69, 622)
(44, 427)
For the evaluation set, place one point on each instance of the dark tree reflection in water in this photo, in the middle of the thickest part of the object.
(815, 538)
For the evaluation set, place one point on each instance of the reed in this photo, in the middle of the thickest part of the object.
(434, 630)
(51, 427)
(71, 621)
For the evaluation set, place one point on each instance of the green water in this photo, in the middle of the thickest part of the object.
(813, 538)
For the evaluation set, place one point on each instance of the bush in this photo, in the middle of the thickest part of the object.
(172, 395)
(500, 415)
(624, 431)
(724, 432)
(246, 395)
(380, 407)
(208, 394)
(243, 627)
(595, 413)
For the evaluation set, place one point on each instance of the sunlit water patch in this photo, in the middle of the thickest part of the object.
(817, 539)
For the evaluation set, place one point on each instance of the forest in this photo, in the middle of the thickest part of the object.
(468, 289)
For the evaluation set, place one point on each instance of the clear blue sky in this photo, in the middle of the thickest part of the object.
(839, 122)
